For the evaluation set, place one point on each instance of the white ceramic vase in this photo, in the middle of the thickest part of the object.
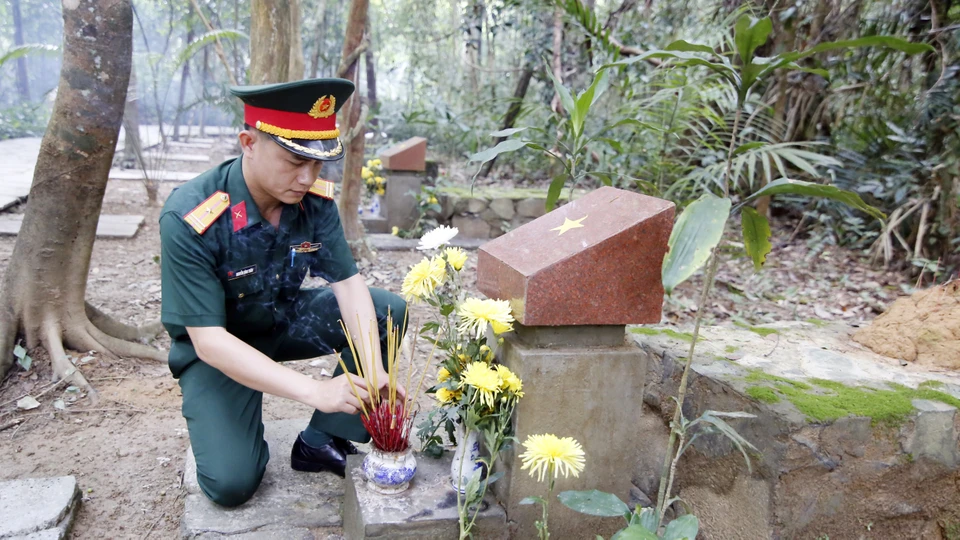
(466, 459)
(389, 473)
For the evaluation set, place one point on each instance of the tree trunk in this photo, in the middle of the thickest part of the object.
(349, 201)
(371, 66)
(275, 51)
(474, 41)
(296, 43)
(132, 148)
(23, 87)
(203, 90)
(512, 112)
(322, 17)
(238, 68)
(557, 64)
(45, 283)
(184, 75)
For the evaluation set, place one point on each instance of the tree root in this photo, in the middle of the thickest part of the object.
(122, 348)
(59, 361)
(114, 328)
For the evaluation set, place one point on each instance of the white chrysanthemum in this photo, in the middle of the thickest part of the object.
(437, 237)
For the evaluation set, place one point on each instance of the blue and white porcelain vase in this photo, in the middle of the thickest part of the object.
(466, 459)
(389, 473)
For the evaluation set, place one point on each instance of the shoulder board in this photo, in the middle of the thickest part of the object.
(322, 188)
(201, 217)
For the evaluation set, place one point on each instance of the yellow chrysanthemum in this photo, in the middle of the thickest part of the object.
(443, 374)
(456, 257)
(485, 379)
(549, 454)
(445, 395)
(510, 381)
(476, 314)
(380, 191)
(366, 173)
(379, 180)
(433, 200)
(487, 353)
(395, 231)
(423, 278)
(376, 163)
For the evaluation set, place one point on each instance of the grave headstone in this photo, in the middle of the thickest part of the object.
(575, 278)
(409, 155)
(38, 507)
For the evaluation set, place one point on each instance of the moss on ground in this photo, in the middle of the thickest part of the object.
(730, 349)
(763, 393)
(817, 322)
(757, 375)
(682, 336)
(826, 401)
(764, 332)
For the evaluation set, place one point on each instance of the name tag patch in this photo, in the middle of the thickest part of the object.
(243, 272)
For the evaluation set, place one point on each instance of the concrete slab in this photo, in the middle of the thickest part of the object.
(162, 175)
(388, 242)
(286, 504)
(171, 156)
(17, 160)
(192, 144)
(38, 508)
(426, 511)
(109, 226)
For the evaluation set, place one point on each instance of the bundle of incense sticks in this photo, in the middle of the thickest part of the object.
(386, 418)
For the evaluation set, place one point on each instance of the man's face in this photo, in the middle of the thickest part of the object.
(276, 172)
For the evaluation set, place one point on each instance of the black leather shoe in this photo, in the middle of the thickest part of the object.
(328, 458)
(346, 447)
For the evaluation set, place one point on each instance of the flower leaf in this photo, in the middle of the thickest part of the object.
(756, 236)
(682, 528)
(531, 500)
(508, 145)
(696, 233)
(810, 189)
(594, 503)
(635, 532)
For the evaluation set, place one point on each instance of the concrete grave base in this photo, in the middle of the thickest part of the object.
(288, 503)
(426, 511)
(583, 382)
(38, 508)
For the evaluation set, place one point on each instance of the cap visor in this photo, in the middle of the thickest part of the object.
(320, 150)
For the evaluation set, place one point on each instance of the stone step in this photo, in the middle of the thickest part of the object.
(38, 508)
(109, 226)
(287, 504)
(164, 176)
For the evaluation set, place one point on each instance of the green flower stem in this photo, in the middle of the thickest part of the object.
(544, 530)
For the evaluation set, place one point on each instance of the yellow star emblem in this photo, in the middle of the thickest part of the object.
(569, 224)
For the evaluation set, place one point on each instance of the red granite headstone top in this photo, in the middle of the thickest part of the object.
(594, 261)
(409, 155)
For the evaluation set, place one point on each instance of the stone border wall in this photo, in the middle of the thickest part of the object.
(489, 213)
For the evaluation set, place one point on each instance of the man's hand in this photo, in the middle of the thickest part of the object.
(383, 379)
(336, 395)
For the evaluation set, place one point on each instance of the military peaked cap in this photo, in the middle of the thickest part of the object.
(300, 116)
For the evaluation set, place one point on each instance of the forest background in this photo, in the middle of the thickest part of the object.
(882, 124)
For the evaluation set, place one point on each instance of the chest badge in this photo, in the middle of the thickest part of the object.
(243, 272)
(305, 247)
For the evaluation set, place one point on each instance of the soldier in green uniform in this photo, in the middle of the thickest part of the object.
(237, 242)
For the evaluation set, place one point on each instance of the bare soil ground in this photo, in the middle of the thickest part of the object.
(127, 450)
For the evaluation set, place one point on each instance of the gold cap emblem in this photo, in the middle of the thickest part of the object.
(324, 107)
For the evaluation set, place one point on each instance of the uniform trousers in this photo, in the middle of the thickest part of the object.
(224, 417)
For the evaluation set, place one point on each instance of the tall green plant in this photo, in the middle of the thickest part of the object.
(699, 228)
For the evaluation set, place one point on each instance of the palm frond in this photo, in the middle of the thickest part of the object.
(23, 50)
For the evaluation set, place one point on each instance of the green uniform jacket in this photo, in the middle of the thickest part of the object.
(245, 279)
